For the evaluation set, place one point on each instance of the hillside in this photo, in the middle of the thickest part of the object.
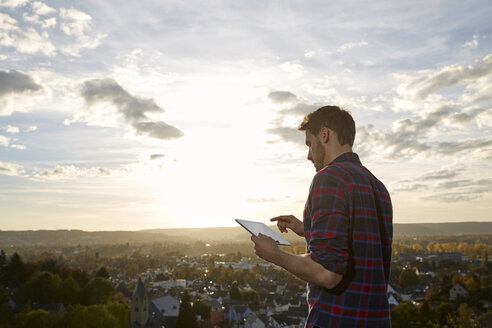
(219, 234)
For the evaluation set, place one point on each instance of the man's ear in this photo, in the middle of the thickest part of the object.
(324, 134)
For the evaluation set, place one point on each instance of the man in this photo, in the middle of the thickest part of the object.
(348, 230)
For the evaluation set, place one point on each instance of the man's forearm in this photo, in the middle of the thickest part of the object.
(306, 269)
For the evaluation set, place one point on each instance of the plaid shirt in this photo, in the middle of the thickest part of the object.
(348, 229)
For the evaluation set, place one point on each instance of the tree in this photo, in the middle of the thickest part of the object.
(250, 295)
(98, 291)
(234, 292)
(466, 316)
(5, 312)
(443, 311)
(403, 316)
(103, 273)
(202, 309)
(15, 270)
(186, 317)
(69, 291)
(408, 278)
(90, 316)
(39, 319)
(81, 277)
(3, 264)
(42, 288)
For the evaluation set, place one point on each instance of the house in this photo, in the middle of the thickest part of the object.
(237, 312)
(253, 321)
(164, 310)
(393, 302)
(457, 291)
(159, 312)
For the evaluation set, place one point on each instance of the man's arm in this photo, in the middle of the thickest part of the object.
(301, 266)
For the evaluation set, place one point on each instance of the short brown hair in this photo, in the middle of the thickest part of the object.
(334, 118)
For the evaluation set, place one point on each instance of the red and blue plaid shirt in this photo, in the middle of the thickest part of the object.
(348, 229)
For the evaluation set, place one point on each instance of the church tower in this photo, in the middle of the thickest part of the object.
(140, 306)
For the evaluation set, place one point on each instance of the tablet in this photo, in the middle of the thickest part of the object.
(256, 228)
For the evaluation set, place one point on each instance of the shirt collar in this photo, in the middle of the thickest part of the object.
(347, 157)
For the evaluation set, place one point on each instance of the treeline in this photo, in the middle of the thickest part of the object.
(88, 299)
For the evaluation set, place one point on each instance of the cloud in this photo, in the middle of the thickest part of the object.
(78, 24)
(133, 109)
(282, 97)
(26, 41)
(309, 53)
(65, 172)
(11, 169)
(31, 128)
(158, 130)
(12, 129)
(4, 141)
(473, 44)
(455, 184)
(20, 147)
(449, 76)
(410, 137)
(347, 46)
(263, 200)
(42, 9)
(440, 175)
(108, 90)
(45, 23)
(288, 134)
(15, 83)
(155, 156)
(295, 69)
(13, 3)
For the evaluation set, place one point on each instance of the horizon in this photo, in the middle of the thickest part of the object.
(219, 227)
(118, 116)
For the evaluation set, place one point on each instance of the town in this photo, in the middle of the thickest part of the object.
(438, 281)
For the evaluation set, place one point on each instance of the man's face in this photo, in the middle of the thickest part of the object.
(316, 151)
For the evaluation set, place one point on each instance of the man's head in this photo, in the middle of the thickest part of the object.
(330, 131)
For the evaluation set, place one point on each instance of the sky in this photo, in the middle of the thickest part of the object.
(125, 115)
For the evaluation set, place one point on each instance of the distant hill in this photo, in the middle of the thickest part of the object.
(219, 234)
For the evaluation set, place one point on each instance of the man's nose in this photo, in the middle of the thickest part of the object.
(310, 158)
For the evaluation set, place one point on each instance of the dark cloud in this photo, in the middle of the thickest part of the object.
(16, 82)
(155, 156)
(133, 108)
(158, 130)
(299, 109)
(450, 76)
(288, 134)
(281, 97)
(108, 90)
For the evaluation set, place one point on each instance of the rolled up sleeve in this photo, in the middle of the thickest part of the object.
(328, 243)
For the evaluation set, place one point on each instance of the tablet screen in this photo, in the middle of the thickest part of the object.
(256, 228)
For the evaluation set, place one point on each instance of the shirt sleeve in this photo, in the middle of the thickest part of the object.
(329, 231)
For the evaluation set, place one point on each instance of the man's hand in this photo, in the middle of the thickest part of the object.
(291, 222)
(266, 248)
